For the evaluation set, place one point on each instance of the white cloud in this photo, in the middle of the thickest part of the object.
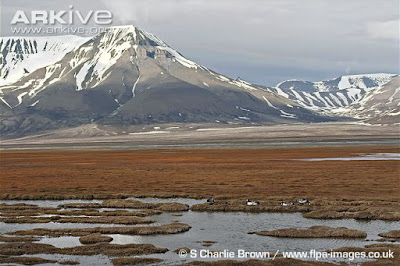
(384, 29)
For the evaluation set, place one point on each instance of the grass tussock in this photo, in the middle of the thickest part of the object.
(184, 248)
(207, 244)
(95, 238)
(24, 260)
(82, 205)
(360, 213)
(14, 249)
(86, 212)
(241, 206)
(172, 207)
(91, 220)
(134, 261)
(173, 228)
(18, 206)
(391, 236)
(141, 213)
(315, 232)
(18, 239)
(131, 204)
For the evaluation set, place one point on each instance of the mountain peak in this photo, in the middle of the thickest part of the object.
(371, 75)
(123, 27)
(126, 76)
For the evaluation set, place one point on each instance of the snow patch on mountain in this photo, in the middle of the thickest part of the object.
(380, 105)
(365, 81)
(331, 94)
(21, 56)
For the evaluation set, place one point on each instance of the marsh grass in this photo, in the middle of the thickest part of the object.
(24, 260)
(134, 261)
(107, 249)
(173, 228)
(315, 232)
(91, 220)
(95, 238)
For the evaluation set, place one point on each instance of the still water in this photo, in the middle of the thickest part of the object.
(229, 230)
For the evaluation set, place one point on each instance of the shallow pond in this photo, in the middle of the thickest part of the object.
(61, 242)
(48, 203)
(229, 230)
(366, 157)
(135, 146)
(187, 201)
(11, 227)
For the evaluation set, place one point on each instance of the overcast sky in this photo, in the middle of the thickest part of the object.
(261, 41)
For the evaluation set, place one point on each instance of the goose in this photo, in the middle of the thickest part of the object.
(252, 202)
(285, 203)
(211, 201)
(303, 201)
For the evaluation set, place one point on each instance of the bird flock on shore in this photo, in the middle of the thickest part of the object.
(300, 201)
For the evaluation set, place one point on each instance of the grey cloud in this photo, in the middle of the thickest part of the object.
(266, 41)
(384, 29)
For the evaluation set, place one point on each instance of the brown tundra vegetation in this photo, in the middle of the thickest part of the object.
(199, 173)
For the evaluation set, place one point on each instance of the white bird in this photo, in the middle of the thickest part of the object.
(285, 203)
(252, 202)
(303, 201)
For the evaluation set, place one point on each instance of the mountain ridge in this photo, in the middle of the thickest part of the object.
(128, 76)
(330, 94)
(22, 55)
(378, 106)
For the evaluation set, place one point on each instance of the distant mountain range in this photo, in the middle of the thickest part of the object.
(331, 94)
(372, 98)
(380, 105)
(128, 76)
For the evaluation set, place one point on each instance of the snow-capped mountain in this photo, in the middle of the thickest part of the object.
(330, 94)
(378, 106)
(128, 76)
(23, 55)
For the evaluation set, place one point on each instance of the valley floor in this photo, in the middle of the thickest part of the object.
(265, 163)
(95, 136)
(230, 172)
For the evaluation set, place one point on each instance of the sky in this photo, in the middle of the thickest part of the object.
(261, 41)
